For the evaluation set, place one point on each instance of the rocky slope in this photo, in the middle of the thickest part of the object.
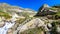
(12, 16)
(17, 20)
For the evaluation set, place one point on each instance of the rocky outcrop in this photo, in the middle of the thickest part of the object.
(44, 10)
(37, 22)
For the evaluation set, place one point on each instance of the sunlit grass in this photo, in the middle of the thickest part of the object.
(58, 13)
(36, 30)
(4, 14)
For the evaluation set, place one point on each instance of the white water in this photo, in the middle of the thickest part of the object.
(4, 29)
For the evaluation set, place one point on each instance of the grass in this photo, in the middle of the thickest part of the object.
(58, 13)
(4, 14)
(37, 30)
(54, 24)
(53, 8)
(21, 20)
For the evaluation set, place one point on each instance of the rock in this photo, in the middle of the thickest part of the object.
(32, 24)
(44, 10)
(10, 31)
(2, 24)
(58, 29)
(49, 25)
(49, 16)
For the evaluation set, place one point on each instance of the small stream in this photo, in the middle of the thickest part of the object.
(7, 25)
(4, 29)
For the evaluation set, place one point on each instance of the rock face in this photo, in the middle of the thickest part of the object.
(44, 10)
(32, 24)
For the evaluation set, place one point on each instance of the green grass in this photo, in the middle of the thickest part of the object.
(5, 14)
(53, 8)
(33, 31)
(21, 20)
(58, 13)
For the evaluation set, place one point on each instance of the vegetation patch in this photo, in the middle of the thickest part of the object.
(37, 30)
(5, 14)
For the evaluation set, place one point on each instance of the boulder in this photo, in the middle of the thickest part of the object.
(10, 31)
(2, 24)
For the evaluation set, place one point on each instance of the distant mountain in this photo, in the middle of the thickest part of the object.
(46, 10)
(16, 10)
(43, 8)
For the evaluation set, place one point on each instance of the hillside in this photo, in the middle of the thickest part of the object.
(18, 20)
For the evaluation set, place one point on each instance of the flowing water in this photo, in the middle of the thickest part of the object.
(4, 29)
(8, 24)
